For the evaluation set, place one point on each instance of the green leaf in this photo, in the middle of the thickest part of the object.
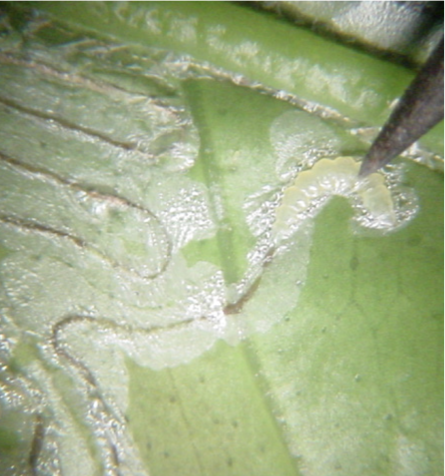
(292, 60)
(150, 324)
(236, 38)
(357, 370)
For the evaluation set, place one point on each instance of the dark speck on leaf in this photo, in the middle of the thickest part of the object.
(354, 263)
(414, 240)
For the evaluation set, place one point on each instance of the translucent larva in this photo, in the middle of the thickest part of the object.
(312, 189)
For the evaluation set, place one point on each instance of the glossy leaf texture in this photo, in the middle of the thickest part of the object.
(150, 324)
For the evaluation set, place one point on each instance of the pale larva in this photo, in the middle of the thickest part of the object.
(312, 188)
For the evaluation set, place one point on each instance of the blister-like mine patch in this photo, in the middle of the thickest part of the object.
(313, 188)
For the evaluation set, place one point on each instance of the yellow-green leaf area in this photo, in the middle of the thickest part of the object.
(150, 325)
(209, 418)
(359, 362)
(234, 161)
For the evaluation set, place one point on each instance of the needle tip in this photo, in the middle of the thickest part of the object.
(368, 167)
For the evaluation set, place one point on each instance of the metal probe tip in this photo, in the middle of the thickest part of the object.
(419, 109)
(370, 165)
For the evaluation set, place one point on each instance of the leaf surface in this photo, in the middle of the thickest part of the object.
(150, 326)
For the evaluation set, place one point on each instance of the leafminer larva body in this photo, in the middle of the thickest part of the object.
(312, 188)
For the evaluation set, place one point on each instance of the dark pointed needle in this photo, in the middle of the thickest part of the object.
(419, 109)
